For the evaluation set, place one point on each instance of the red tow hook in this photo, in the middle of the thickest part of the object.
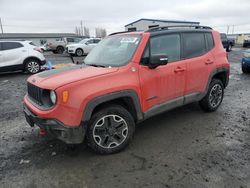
(42, 132)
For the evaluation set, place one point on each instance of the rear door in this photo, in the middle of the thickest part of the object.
(13, 54)
(199, 59)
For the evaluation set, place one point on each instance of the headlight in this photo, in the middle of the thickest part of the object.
(53, 97)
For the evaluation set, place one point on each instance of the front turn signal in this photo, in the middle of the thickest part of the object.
(65, 96)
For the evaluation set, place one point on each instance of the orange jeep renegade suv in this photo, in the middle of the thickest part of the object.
(127, 78)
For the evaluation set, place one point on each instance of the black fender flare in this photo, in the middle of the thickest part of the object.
(216, 71)
(91, 105)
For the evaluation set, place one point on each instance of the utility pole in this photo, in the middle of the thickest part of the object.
(228, 27)
(81, 28)
(1, 25)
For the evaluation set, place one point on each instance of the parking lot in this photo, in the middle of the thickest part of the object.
(181, 148)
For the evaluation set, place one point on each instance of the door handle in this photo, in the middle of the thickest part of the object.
(208, 62)
(179, 69)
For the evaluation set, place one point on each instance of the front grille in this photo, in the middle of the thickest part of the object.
(35, 93)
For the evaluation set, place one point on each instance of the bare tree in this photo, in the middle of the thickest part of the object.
(77, 31)
(86, 31)
(100, 32)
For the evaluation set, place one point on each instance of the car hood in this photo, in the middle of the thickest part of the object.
(53, 79)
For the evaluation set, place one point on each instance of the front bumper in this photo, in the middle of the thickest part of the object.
(69, 135)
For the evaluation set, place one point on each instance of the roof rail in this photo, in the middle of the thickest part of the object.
(125, 32)
(178, 26)
(119, 32)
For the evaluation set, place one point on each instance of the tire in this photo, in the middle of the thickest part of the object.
(60, 50)
(79, 52)
(214, 96)
(110, 130)
(32, 66)
(54, 51)
(244, 70)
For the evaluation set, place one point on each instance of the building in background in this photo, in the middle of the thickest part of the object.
(144, 24)
(38, 38)
(240, 38)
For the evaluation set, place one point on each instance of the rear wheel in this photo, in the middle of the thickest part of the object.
(32, 66)
(59, 49)
(110, 129)
(214, 96)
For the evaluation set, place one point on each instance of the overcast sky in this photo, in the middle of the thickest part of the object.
(64, 15)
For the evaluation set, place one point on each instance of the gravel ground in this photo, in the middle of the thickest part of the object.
(181, 148)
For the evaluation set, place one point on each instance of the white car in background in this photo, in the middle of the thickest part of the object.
(20, 55)
(83, 47)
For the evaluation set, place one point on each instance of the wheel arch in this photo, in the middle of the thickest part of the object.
(127, 99)
(30, 58)
(221, 74)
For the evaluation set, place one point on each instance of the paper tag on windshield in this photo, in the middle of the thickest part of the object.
(129, 40)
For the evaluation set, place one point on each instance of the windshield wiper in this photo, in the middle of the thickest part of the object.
(96, 65)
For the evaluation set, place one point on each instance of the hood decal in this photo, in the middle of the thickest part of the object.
(58, 71)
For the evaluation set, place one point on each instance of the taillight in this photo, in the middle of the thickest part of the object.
(38, 49)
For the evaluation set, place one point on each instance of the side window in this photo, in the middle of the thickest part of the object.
(145, 56)
(166, 44)
(70, 40)
(193, 45)
(210, 41)
(11, 45)
(96, 40)
(0, 46)
(91, 41)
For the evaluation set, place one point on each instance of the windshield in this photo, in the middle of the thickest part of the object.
(83, 41)
(113, 51)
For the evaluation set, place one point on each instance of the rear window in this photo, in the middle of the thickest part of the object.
(210, 41)
(193, 45)
(11, 45)
(31, 43)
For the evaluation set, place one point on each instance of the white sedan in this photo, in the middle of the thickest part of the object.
(83, 47)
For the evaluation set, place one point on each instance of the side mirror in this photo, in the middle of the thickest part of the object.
(158, 60)
(87, 43)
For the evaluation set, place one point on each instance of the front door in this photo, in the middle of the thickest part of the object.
(164, 83)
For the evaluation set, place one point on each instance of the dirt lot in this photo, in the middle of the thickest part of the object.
(182, 148)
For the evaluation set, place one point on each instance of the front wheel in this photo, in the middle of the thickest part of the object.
(32, 66)
(110, 129)
(214, 96)
(79, 52)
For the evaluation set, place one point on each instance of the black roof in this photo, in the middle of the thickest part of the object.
(165, 21)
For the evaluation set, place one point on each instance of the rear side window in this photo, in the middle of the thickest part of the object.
(96, 40)
(166, 44)
(32, 44)
(11, 45)
(193, 45)
(210, 41)
(70, 40)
